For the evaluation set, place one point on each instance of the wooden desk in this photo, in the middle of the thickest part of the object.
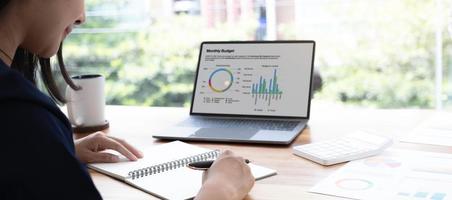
(295, 175)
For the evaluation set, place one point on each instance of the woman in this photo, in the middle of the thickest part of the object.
(40, 159)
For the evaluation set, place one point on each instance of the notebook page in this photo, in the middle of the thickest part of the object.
(260, 172)
(184, 183)
(152, 156)
(180, 183)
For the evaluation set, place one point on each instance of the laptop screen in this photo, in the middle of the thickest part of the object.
(254, 79)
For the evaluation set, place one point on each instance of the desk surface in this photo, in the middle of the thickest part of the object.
(295, 175)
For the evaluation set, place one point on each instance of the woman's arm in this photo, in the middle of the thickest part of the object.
(228, 178)
(38, 161)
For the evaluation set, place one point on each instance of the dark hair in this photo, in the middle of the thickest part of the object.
(3, 3)
(27, 63)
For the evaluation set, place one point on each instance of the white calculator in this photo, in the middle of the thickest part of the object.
(350, 147)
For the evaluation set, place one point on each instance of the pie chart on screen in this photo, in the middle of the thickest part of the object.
(221, 80)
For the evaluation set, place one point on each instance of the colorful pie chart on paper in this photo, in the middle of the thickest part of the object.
(354, 184)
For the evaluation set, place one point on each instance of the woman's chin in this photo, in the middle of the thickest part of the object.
(48, 53)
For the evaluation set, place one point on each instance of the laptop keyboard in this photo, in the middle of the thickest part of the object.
(241, 123)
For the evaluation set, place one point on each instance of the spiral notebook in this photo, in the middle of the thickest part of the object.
(163, 172)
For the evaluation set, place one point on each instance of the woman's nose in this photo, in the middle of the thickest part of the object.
(80, 20)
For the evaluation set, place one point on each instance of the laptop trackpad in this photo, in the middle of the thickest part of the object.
(227, 133)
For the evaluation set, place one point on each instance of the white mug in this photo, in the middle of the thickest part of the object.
(86, 106)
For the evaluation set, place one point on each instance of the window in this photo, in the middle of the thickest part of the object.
(380, 53)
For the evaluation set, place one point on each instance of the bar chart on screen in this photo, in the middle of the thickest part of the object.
(266, 90)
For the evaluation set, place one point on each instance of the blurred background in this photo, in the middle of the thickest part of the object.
(374, 53)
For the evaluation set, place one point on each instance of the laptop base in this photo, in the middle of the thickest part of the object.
(230, 135)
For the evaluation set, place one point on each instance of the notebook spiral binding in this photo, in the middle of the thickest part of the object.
(155, 169)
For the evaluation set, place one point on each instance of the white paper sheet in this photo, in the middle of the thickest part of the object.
(394, 175)
(436, 130)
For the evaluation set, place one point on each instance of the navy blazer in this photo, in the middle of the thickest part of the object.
(36, 145)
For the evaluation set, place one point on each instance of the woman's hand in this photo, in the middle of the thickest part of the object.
(88, 149)
(229, 177)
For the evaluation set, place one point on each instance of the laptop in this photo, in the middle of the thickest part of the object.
(249, 92)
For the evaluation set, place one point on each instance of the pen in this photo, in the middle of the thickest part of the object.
(205, 165)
